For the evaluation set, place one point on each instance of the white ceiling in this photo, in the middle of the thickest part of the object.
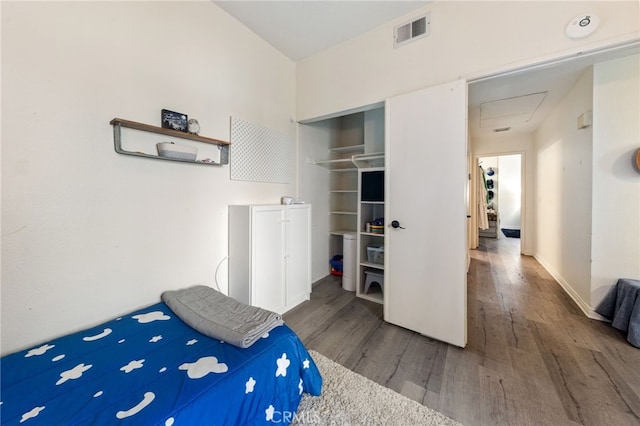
(302, 28)
(555, 79)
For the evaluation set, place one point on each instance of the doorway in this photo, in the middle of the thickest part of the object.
(502, 180)
(505, 110)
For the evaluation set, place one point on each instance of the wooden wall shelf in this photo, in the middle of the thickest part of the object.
(118, 123)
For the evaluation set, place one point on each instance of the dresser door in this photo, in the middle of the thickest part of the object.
(267, 254)
(298, 253)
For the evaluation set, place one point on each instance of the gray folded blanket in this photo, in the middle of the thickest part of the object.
(621, 305)
(221, 317)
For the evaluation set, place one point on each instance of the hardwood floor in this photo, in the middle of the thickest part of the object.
(532, 357)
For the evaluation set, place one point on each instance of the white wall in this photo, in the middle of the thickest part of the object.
(563, 192)
(588, 191)
(467, 39)
(615, 248)
(314, 142)
(86, 233)
(509, 191)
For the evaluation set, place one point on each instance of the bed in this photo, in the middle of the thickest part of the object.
(150, 368)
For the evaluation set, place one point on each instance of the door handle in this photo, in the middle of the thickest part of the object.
(395, 224)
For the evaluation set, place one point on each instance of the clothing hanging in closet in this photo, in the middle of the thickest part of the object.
(483, 221)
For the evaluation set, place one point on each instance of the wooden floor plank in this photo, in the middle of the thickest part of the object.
(462, 379)
(532, 356)
(607, 388)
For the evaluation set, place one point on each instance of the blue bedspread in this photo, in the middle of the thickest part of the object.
(149, 368)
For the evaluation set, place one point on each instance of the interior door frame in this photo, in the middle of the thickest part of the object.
(523, 196)
(595, 55)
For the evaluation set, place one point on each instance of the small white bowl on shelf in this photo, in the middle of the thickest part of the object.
(179, 152)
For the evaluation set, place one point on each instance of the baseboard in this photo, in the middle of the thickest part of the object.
(584, 306)
(320, 280)
(596, 316)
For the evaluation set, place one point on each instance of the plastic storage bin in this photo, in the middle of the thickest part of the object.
(336, 265)
(375, 254)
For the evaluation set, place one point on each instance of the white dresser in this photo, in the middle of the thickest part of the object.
(270, 255)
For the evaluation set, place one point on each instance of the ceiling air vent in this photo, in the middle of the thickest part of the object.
(411, 31)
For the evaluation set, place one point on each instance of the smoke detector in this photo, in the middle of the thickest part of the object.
(582, 25)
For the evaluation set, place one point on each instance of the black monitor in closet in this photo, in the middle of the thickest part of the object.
(372, 186)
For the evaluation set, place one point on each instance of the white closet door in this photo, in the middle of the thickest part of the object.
(425, 263)
(267, 270)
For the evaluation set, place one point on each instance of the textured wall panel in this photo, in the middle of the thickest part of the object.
(259, 154)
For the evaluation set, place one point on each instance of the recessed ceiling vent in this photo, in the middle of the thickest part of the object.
(411, 31)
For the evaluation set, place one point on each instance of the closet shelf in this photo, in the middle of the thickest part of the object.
(333, 162)
(344, 170)
(372, 297)
(372, 234)
(118, 123)
(347, 149)
(361, 161)
(374, 159)
(372, 265)
(341, 232)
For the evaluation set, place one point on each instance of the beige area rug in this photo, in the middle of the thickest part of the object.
(351, 399)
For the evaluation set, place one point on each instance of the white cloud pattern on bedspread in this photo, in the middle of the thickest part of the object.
(196, 369)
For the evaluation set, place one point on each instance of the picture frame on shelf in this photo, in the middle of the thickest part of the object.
(175, 120)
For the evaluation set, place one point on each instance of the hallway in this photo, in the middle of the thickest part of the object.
(532, 357)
